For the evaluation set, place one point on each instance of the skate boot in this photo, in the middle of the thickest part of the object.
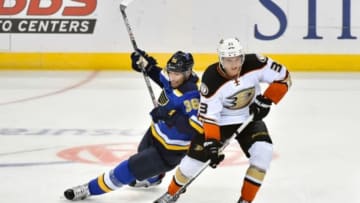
(166, 198)
(156, 180)
(77, 193)
(242, 201)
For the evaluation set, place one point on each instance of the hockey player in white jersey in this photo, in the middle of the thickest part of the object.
(230, 93)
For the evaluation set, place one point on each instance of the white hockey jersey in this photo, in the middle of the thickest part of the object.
(225, 101)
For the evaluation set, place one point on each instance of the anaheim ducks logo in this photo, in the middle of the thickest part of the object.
(240, 99)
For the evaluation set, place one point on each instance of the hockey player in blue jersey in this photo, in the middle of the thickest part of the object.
(168, 137)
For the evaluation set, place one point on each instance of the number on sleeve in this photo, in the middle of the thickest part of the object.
(203, 108)
(192, 104)
(276, 67)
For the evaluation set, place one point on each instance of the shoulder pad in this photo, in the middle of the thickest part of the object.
(253, 62)
(211, 81)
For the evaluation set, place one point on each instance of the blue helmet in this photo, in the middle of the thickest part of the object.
(180, 62)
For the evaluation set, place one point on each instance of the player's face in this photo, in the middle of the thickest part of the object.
(176, 79)
(232, 65)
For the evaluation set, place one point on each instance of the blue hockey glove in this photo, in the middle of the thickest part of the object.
(140, 59)
(260, 107)
(212, 147)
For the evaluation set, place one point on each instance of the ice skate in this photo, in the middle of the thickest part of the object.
(77, 193)
(166, 198)
(156, 180)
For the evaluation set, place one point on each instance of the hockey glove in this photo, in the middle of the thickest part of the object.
(260, 108)
(159, 113)
(212, 147)
(140, 59)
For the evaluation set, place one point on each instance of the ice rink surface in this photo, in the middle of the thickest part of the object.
(61, 129)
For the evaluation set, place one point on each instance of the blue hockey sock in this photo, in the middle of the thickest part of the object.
(120, 175)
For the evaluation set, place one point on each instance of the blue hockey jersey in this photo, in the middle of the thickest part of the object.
(183, 104)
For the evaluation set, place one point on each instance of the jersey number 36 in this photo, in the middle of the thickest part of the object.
(192, 104)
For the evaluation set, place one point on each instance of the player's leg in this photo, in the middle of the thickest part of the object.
(107, 182)
(146, 142)
(257, 145)
(145, 164)
(194, 161)
(161, 161)
(189, 165)
(184, 172)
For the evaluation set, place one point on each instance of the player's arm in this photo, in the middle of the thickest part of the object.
(278, 88)
(210, 102)
(210, 108)
(187, 124)
(185, 119)
(141, 59)
(279, 81)
(209, 112)
(210, 126)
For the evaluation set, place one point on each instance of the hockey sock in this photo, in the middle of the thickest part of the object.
(252, 182)
(177, 182)
(112, 180)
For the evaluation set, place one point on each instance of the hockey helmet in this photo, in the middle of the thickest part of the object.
(180, 62)
(230, 47)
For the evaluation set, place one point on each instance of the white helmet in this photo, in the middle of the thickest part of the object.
(230, 47)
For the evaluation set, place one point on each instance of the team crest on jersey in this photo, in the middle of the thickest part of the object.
(163, 99)
(204, 89)
(240, 99)
(261, 58)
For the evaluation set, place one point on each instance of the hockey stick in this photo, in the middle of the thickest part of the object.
(226, 143)
(123, 6)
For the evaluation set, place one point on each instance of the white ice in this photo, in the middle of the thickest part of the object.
(61, 129)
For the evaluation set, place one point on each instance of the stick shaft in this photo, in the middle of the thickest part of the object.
(133, 43)
(128, 28)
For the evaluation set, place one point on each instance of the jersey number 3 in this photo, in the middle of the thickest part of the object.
(203, 108)
(276, 67)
